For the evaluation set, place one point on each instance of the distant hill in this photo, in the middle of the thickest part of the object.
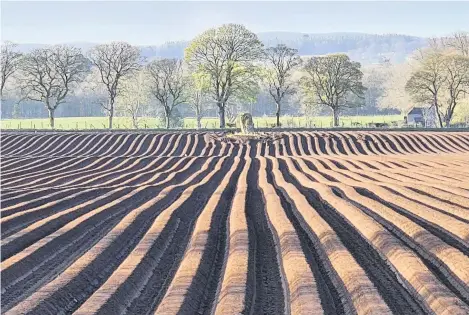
(366, 48)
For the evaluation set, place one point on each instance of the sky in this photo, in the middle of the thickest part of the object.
(156, 22)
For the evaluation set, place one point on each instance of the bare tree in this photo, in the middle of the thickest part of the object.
(334, 81)
(429, 116)
(167, 84)
(374, 79)
(459, 41)
(134, 97)
(10, 63)
(198, 97)
(394, 94)
(434, 44)
(281, 62)
(49, 75)
(441, 80)
(114, 62)
(197, 104)
(226, 54)
(426, 85)
(92, 92)
(457, 84)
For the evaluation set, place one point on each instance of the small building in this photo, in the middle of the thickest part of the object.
(424, 116)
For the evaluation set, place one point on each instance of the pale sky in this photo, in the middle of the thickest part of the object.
(155, 22)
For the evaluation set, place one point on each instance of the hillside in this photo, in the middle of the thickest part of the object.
(366, 48)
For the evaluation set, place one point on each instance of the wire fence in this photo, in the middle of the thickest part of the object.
(212, 123)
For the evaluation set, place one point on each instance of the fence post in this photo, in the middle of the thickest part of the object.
(19, 125)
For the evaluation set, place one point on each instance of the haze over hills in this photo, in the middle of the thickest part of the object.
(362, 47)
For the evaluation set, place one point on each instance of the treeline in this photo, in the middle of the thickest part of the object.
(225, 71)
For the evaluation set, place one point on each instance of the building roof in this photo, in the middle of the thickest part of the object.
(416, 111)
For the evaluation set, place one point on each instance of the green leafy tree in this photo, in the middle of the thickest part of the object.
(245, 94)
(226, 55)
(334, 81)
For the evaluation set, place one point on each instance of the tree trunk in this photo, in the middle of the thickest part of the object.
(51, 117)
(278, 114)
(221, 113)
(134, 121)
(111, 115)
(110, 120)
(199, 122)
(1, 88)
(439, 117)
(166, 116)
(335, 114)
(449, 113)
(448, 122)
(198, 118)
(437, 110)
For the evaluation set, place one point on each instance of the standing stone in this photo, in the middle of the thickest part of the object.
(247, 125)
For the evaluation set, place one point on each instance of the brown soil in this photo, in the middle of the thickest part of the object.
(338, 222)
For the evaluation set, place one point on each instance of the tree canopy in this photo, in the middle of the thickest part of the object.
(114, 61)
(226, 54)
(167, 84)
(441, 80)
(48, 75)
(281, 61)
(334, 81)
(9, 63)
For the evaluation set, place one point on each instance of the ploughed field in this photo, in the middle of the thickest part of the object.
(192, 223)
